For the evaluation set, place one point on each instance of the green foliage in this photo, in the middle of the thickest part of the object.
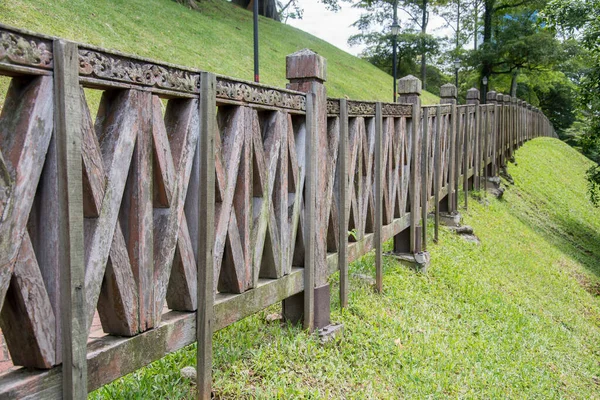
(515, 317)
(580, 19)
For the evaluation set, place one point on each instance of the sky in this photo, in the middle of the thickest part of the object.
(336, 28)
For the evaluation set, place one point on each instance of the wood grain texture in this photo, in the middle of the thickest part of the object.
(71, 236)
(206, 218)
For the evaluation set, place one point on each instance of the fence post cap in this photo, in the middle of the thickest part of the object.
(448, 90)
(491, 97)
(473, 96)
(506, 98)
(306, 64)
(409, 85)
(513, 100)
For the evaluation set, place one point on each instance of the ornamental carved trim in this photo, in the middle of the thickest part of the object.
(333, 107)
(396, 110)
(245, 92)
(117, 68)
(446, 109)
(361, 108)
(25, 50)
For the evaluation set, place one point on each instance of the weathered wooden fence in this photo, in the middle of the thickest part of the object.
(189, 201)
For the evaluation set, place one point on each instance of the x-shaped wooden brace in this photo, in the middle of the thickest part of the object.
(362, 139)
(175, 150)
(26, 126)
(233, 271)
(106, 165)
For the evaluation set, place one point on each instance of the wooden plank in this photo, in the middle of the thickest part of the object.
(437, 170)
(25, 132)
(206, 217)
(344, 208)
(310, 211)
(181, 120)
(136, 213)
(116, 127)
(425, 175)
(451, 160)
(466, 154)
(70, 208)
(378, 198)
(415, 178)
(27, 318)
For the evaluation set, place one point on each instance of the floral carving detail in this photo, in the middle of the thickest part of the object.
(239, 91)
(116, 68)
(333, 106)
(361, 108)
(17, 49)
(396, 110)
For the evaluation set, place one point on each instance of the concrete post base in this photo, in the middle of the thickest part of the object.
(293, 307)
(417, 261)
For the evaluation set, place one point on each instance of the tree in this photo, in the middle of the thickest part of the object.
(519, 44)
(274, 9)
(379, 13)
(580, 19)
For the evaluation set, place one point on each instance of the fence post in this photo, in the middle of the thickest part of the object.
(492, 167)
(378, 196)
(206, 217)
(437, 171)
(513, 125)
(344, 210)
(306, 71)
(67, 121)
(472, 99)
(409, 240)
(449, 94)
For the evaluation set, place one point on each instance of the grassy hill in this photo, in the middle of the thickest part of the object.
(216, 38)
(515, 317)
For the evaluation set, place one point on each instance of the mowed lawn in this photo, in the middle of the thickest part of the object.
(515, 317)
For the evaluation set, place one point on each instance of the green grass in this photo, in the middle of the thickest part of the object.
(218, 38)
(515, 317)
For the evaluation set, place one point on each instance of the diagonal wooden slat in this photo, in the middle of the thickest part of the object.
(181, 292)
(232, 265)
(116, 127)
(181, 121)
(118, 299)
(27, 318)
(26, 125)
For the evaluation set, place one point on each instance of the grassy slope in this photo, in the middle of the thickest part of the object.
(218, 39)
(516, 317)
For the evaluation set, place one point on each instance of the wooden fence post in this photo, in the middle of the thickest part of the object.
(306, 71)
(67, 122)
(343, 208)
(409, 240)
(378, 195)
(472, 99)
(491, 168)
(437, 171)
(206, 217)
(448, 95)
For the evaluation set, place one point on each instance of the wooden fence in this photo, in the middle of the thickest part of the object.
(188, 201)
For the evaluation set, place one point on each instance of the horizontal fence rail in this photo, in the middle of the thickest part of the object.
(146, 205)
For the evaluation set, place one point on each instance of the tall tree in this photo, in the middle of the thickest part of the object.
(580, 19)
(379, 13)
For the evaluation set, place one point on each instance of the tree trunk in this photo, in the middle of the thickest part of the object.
(513, 83)
(476, 25)
(188, 3)
(423, 54)
(266, 8)
(488, 14)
